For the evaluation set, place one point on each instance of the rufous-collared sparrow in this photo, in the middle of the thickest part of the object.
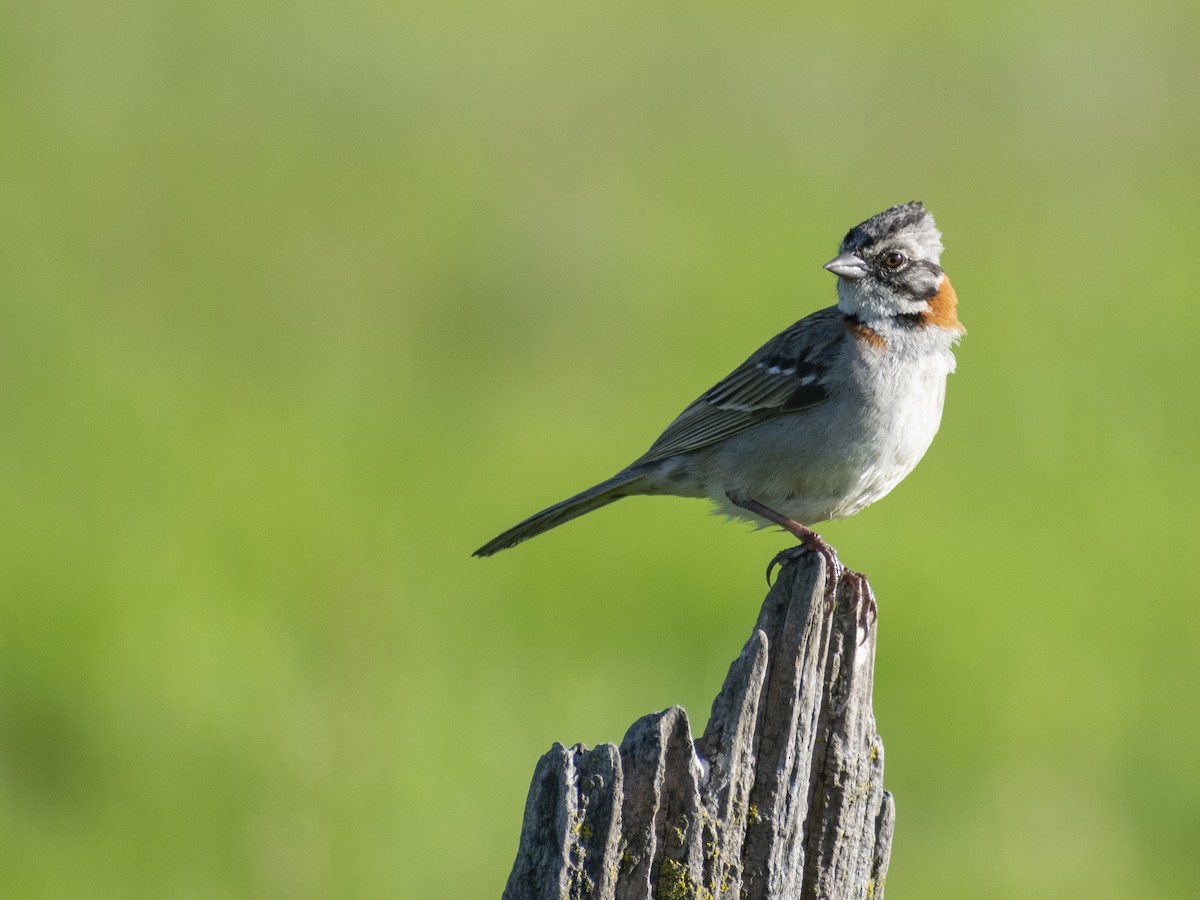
(825, 418)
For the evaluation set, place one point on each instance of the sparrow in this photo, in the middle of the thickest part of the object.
(826, 417)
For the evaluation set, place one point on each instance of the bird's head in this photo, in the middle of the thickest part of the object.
(889, 265)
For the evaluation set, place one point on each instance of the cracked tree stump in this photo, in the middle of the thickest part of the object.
(782, 797)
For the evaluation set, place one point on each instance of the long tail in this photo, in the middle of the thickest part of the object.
(620, 485)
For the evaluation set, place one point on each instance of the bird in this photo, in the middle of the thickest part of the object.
(825, 418)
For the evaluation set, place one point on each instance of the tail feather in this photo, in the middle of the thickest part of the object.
(621, 485)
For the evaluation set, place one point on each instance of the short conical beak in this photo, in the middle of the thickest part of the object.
(847, 266)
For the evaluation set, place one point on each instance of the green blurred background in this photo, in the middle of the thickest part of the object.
(303, 302)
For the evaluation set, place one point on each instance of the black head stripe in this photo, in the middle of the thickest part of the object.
(885, 224)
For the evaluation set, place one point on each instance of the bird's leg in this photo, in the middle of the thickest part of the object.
(809, 539)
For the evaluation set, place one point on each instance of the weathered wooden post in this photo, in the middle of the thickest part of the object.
(781, 798)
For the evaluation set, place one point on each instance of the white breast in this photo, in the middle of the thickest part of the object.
(843, 455)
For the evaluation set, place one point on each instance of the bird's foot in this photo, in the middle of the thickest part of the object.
(863, 601)
(810, 542)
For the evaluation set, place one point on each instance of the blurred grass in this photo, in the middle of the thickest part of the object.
(303, 304)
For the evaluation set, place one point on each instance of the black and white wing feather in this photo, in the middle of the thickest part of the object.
(786, 375)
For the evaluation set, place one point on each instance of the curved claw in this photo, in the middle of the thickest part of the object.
(865, 606)
(783, 556)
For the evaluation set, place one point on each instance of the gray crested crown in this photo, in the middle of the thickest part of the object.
(911, 218)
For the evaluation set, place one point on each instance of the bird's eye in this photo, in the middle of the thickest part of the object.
(894, 260)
